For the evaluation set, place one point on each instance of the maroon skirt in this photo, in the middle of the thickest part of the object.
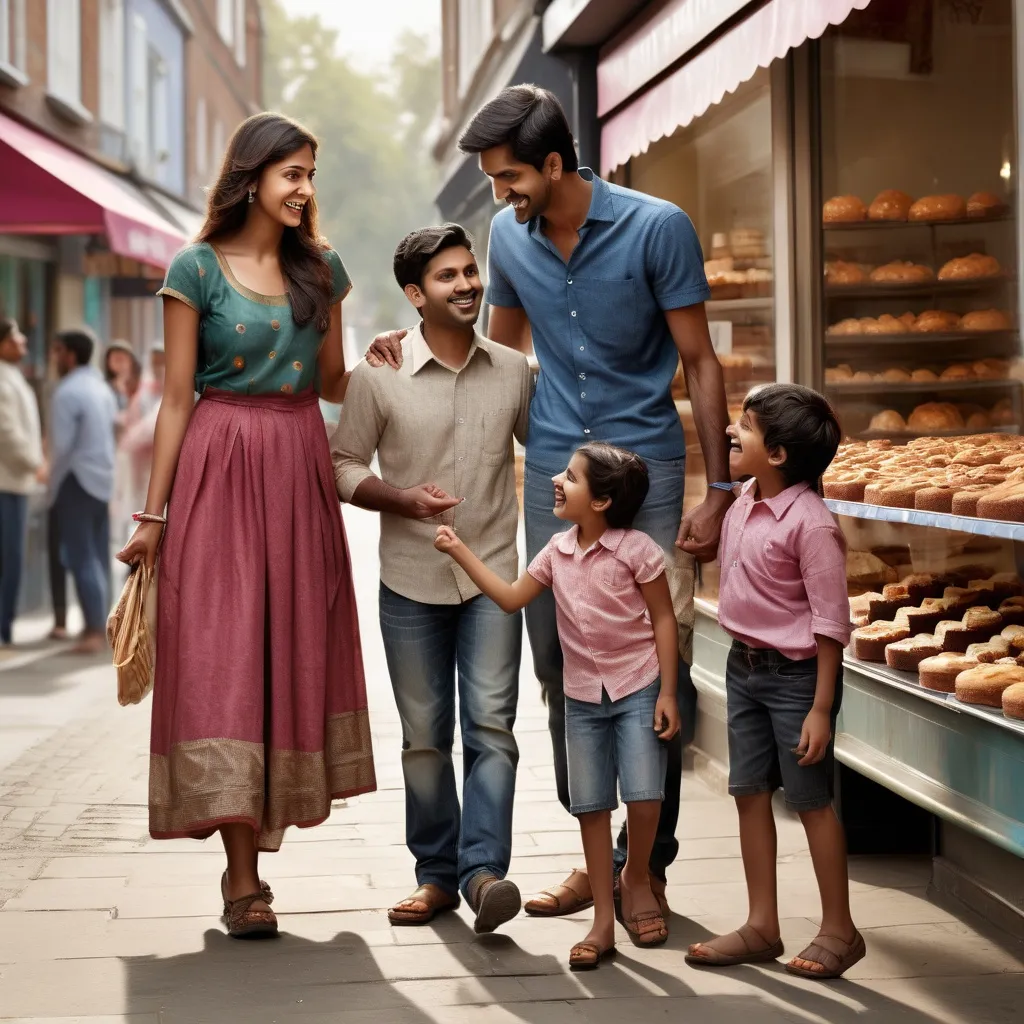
(259, 704)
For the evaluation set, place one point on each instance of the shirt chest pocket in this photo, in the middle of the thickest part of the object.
(613, 575)
(606, 310)
(778, 564)
(495, 440)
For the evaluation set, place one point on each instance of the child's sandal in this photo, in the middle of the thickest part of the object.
(587, 956)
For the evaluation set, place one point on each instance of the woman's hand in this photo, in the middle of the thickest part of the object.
(143, 546)
(446, 540)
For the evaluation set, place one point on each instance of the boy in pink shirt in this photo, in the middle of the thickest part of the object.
(783, 599)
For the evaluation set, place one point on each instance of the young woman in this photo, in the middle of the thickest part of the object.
(259, 711)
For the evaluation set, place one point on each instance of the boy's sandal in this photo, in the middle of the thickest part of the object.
(242, 920)
(657, 887)
(587, 956)
(559, 900)
(757, 950)
(832, 954)
(646, 929)
(422, 906)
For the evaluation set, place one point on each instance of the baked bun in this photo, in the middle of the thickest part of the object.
(939, 673)
(985, 684)
(957, 371)
(934, 499)
(1013, 701)
(844, 210)
(902, 272)
(887, 324)
(894, 375)
(934, 321)
(924, 375)
(978, 421)
(839, 272)
(933, 416)
(968, 268)
(945, 207)
(1004, 502)
(838, 374)
(890, 204)
(985, 320)
(889, 421)
(851, 325)
(984, 204)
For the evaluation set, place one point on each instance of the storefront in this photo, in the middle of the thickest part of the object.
(851, 168)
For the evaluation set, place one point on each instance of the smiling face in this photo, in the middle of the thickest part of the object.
(450, 294)
(286, 186)
(13, 346)
(574, 501)
(519, 185)
(748, 455)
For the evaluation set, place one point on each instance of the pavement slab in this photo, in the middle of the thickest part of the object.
(101, 925)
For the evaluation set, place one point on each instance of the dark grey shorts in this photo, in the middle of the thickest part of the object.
(768, 697)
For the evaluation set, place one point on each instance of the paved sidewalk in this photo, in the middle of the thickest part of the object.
(99, 924)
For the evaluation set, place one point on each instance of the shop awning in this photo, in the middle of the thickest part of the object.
(74, 196)
(768, 34)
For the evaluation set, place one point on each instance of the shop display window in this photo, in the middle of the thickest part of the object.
(719, 170)
(921, 329)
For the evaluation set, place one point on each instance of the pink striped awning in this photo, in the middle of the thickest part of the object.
(768, 34)
(74, 196)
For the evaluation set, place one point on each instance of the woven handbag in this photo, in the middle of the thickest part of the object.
(131, 635)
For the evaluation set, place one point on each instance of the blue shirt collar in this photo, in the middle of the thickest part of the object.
(601, 206)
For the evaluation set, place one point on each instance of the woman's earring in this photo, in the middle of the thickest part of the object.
(252, 195)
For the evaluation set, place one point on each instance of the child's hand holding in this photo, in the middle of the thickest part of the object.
(666, 716)
(814, 737)
(446, 540)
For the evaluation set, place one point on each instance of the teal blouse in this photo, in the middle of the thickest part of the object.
(247, 342)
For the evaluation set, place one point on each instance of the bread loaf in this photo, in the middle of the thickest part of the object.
(985, 684)
(943, 207)
(844, 210)
(890, 204)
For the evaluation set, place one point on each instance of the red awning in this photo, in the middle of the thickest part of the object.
(768, 34)
(74, 196)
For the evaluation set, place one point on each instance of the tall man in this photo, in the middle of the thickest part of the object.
(448, 417)
(21, 456)
(611, 283)
(82, 426)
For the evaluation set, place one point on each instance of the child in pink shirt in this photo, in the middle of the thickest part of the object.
(618, 635)
(783, 599)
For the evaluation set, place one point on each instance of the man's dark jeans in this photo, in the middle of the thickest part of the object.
(13, 521)
(85, 542)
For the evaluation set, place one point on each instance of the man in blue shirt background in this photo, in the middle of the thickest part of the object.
(610, 284)
(82, 422)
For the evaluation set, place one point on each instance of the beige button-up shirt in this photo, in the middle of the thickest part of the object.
(433, 424)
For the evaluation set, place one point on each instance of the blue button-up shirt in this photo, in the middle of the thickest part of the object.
(82, 422)
(606, 354)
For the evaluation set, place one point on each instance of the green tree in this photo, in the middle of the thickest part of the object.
(375, 178)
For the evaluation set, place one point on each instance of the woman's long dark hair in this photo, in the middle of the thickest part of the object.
(260, 140)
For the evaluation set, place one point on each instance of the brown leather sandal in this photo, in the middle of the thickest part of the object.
(647, 929)
(242, 920)
(831, 953)
(433, 900)
(658, 888)
(559, 900)
(587, 956)
(757, 950)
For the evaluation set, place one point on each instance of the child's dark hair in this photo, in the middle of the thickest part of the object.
(617, 474)
(801, 421)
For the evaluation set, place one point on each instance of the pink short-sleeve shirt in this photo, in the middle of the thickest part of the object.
(783, 572)
(603, 623)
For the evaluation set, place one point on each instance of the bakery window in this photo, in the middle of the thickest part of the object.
(719, 170)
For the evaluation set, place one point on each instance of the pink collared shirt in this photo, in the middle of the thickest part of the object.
(603, 623)
(783, 572)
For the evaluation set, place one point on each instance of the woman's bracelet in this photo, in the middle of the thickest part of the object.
(149, 517)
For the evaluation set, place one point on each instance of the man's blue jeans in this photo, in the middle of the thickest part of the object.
(659, 519)
(428, 647)
(13, 523)
(84, 523)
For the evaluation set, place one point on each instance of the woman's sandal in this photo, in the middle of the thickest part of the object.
(587, 956)
(832, 953)
(559, 900)
(434, 901)
(242, 920)
(758, 950)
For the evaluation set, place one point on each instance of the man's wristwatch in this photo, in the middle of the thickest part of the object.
(721, 485)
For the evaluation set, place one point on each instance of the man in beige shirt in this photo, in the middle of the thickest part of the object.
(442, 429)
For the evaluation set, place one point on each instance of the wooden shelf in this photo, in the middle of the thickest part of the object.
(917, 289)
(922, 348)
(916, 387)
(882, 225)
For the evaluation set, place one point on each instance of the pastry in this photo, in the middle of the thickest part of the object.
(999, 587)
(888, 420)
(989, 369)
(908, 319)
(985, 320)
(940, 672)
(1014, 635)
(965, 500)
(968, 268)
(934, 499)
(863, 377)
(989, 651)
(894, 375)
(838, 374)
(1012, 611)
(892, 493)
(885, 324)
(985, 684)
(844, 210)
(957, 371)
(1013, 701)
(984, 455)
(906, 655)
(984, 204)
(859, 605)
(866, 569)
(1004, 502)
(1002, 414)
(891, 204)
(851, 325)
(894, 596)
(869, 642)
(936, 321)
(924, 376)
(923, 584)
(847, 489)
(902, 272)
(839, 272)
(924, 617)
(932, 416)
(945, 207)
